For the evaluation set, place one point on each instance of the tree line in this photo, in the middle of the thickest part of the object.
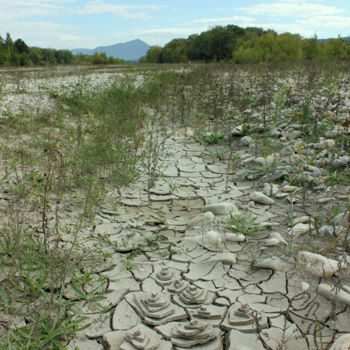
(246, 45)
(18, 53)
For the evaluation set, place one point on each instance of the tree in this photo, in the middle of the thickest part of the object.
(334, 48)
(311, 49)
(153, 55)
(175, 51)
(20, 46)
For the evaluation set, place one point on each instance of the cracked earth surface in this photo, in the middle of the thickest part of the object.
(205, 294)
(196, 284)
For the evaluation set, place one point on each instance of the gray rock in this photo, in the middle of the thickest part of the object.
(222, 208)
(273, 263)
(342, 343)
(261, 198)
(341, 162)
(334, 293)
(245, 141)
(202, 219)
(318, 265)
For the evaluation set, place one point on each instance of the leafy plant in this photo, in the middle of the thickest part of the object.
(243, 224)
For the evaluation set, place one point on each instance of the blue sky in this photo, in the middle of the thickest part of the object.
(90, 23)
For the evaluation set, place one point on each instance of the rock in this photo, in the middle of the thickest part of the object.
(273, 263)
(327, 231)
(318, 265)
(226, 258)
(275, 239)
(334, 293)
(300, 229)
(238, 131)
(245, 141)
(210, 238)
(342, 343)
(325, 144)
(341, 162)
(270, 189)
(342, 218)
(301, 219)
(276, 132)
(202, 219)
(233, 237)
(222, 208)
(261, 198)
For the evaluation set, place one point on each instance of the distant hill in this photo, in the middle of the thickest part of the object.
(129, 51)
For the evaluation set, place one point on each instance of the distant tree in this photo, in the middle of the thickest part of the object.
(334, 48)
(175, 51)
(153, 55)
(20, 46)
(290, 47)
(311, 49)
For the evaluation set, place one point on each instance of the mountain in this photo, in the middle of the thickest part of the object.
(129, 51)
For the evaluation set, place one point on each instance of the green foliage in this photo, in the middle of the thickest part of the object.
(19, 54)
(154, 55)
(243, 224)
(249, 45)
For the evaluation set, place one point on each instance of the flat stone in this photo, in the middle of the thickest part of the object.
(222, 208)
(124, 317)
(202, 219)
(273, 263)
(208, 239)
(259, 197)
(300, 229)
(233, 237)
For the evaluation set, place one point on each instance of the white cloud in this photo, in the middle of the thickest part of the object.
(121, 10)
(291, 8)
(16, 9)
(232, 20)
(326, 21)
